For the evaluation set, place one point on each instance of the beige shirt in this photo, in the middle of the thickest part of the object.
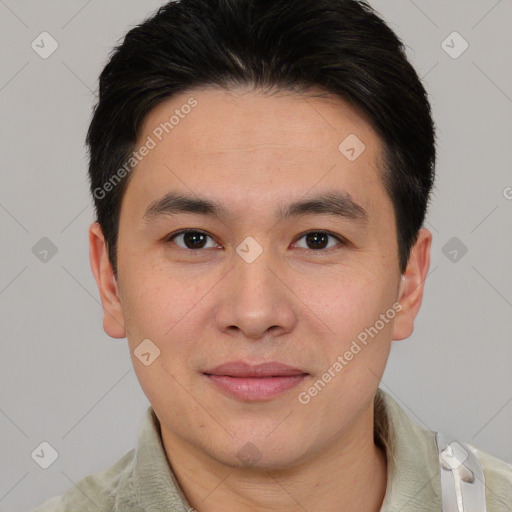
(142, 480)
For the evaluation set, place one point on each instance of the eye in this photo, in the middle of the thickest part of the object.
(317, 240)
(192, 239)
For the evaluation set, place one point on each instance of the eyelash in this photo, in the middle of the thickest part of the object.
(342, 241)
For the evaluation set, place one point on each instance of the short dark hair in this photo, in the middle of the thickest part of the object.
(340, 46)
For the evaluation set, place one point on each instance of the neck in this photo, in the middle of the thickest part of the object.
(351, 475)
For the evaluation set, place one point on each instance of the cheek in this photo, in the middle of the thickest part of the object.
(150, 304)
(168, 310)
(356, 308)
(350, 297)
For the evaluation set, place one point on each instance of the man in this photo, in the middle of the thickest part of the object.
(261, 172)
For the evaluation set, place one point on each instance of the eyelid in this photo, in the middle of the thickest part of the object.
(342, 240)
(172, 236)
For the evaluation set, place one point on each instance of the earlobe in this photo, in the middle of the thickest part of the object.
(410, 294)
(113, 319)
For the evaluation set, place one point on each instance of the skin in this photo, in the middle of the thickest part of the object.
(294, 304)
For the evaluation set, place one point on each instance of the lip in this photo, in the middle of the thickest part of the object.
(255, 382)
(243, 369)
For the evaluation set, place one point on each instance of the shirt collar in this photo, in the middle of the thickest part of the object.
(413, 467)
(154, 484)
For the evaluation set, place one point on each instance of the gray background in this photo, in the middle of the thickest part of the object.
(64, 381)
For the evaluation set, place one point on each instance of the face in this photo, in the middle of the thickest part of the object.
(284, 254)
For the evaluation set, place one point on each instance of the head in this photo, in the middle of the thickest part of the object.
(261, 173)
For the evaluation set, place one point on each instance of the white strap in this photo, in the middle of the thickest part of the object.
(462, 477)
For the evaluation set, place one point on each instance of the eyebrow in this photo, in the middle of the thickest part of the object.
(338, 204)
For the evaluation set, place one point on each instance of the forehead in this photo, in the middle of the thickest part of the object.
(266, 147)
(313, 121)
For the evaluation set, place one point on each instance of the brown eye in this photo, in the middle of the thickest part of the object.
(318, 240)
(192, 240)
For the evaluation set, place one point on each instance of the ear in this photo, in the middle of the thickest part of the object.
(411, 287)
(113, 319)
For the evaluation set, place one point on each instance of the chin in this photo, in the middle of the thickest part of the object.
(258, 453)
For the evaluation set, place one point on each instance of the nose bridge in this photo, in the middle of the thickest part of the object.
(254, 279)
(257, 299)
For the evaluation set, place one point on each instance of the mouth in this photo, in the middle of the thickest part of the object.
(255, 382)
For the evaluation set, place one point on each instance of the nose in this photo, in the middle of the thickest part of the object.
(257, 302)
